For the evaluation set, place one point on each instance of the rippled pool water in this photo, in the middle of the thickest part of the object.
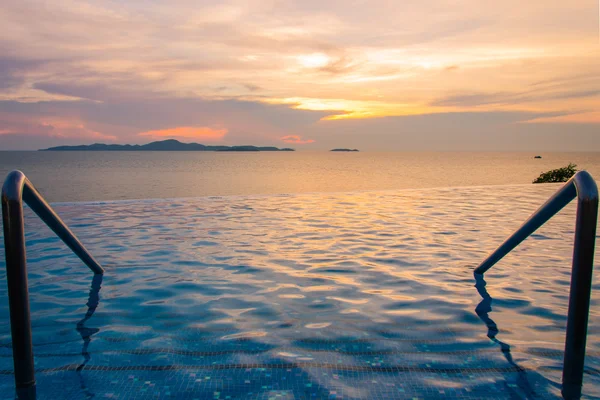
(313, 296)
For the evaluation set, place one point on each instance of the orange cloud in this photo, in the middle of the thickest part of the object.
(188, 132)
(295, 139)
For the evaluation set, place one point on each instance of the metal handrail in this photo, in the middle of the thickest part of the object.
(582, 186)
(16, 190)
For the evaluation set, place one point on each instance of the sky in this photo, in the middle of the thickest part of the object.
(374, 75)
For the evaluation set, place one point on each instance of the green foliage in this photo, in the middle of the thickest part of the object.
(557, 175)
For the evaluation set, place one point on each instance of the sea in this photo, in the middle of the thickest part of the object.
(305, 275)
(101, 176)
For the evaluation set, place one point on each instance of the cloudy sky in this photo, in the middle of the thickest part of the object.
(310, 74)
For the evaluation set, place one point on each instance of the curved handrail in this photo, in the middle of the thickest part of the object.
(582, 186)
(16, 190)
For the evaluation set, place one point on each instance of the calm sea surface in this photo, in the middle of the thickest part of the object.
(86, 176)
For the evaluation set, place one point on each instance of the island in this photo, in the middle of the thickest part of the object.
(162, 145)
(344, 150)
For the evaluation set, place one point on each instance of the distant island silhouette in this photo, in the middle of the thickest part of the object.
(344, 150)
(162, 145)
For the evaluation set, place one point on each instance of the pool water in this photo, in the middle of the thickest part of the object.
(366, 295)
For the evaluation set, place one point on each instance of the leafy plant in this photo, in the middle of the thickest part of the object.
(557, 175)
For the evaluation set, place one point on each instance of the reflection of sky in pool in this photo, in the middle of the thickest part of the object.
(318, 296)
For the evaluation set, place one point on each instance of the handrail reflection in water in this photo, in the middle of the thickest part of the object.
(482, 310)
(87, 333)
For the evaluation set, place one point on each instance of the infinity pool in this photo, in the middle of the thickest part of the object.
(364, 295)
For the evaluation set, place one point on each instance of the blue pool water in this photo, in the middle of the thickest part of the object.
(364, 295)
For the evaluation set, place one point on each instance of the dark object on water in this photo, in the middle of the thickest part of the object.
(557, 175)
(582, 187)
(18, 190)
(537, 157)
(344, 150)
(162, 145)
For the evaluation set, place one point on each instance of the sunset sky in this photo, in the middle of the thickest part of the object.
(376, 75)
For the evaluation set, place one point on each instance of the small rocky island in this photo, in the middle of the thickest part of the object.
(163, 145)
(344, 150)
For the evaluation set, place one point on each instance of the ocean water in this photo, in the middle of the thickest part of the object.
(91, 176)
(356, 295)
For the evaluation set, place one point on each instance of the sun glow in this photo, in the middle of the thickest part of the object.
(355, 109)
(315, 60)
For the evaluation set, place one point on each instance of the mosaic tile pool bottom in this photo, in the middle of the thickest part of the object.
(316, 296)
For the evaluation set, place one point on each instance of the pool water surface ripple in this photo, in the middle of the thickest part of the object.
(365, 295)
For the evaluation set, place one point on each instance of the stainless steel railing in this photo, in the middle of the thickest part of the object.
(583, 187)
(16, 190)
